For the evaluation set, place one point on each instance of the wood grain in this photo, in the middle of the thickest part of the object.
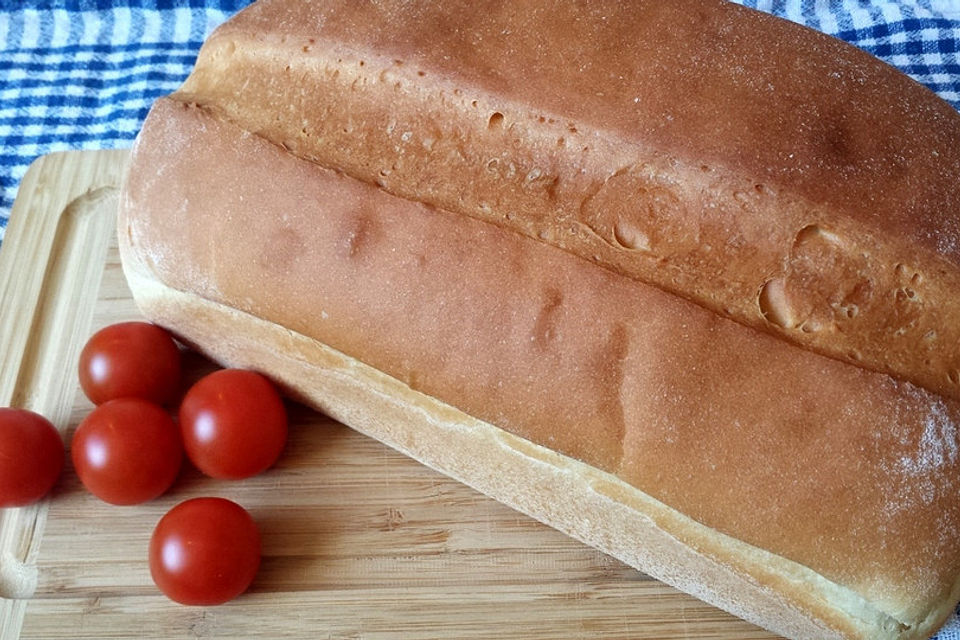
(359, 541)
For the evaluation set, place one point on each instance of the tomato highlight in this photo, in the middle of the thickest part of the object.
(234, 424)
(205, 551)
(130, 359)
(127, 451)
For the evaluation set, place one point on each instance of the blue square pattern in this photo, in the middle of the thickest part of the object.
(81, 74)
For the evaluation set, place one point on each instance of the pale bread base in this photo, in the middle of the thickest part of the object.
(590, 505)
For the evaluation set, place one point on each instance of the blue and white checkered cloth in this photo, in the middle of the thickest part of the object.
(81, 74)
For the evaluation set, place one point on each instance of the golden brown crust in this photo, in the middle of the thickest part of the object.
(842, 471)
(771, 174)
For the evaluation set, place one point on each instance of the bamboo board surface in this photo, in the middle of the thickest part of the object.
(358, 540)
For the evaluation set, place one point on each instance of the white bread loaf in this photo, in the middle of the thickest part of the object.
(767, 172)
(808, 495)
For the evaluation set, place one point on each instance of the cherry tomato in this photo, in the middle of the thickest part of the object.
(234, 424)
(127, 451)
(205, 551)
(130, 359)
(31, 457)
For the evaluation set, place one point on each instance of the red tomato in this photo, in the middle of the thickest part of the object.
(130, 359)
(127, 451)
(31, 457)
(205, 551)
(234, 424)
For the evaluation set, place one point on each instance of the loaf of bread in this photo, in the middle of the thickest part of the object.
(316, 203)
(771, 174)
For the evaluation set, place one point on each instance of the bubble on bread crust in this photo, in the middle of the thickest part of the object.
(814, 232)
(743, 198)
(849, 310)
(495, 121)
(905, 294)
(545, 323)
(629, 236)
(773, 304)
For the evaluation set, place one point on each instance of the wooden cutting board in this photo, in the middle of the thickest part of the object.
(359, 541)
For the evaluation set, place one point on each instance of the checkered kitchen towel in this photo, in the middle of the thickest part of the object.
(80, 74)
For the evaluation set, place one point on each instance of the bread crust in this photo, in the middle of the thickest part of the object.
(853, 476)
(636, 529)
(769, 173)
